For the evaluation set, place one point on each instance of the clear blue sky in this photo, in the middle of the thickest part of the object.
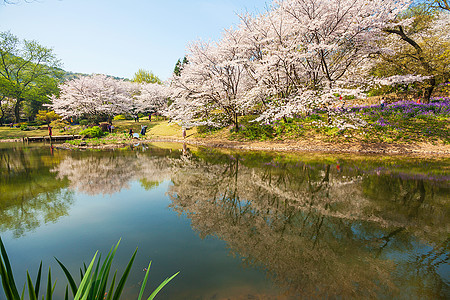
(118, 37)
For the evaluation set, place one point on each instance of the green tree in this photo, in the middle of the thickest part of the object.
(47, 116)
(421, 48)
(27, 71)
(179, 66)
(144, 76)
(39, 96)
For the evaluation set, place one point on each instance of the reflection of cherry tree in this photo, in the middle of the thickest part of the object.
(313, 229)
(415, 204)
(318, 230)
(110, 173)
(262, 222)
(98, 174)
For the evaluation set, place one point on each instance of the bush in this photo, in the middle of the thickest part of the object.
(24, 127)
(84, 122)
(47, 116)
(59, 124)
(94, 132)
(253, 130)
(207, 129)
(119, 117)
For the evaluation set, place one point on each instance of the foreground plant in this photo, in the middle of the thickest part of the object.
(94, 282)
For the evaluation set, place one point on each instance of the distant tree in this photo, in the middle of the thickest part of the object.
(144, 76)
(177, 69)
(27, 69)
(179, 66)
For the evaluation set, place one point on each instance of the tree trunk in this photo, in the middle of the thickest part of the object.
(429, 90)
(2, 111)
(17, 109)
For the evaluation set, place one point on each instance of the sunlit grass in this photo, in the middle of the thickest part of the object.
(397, 123)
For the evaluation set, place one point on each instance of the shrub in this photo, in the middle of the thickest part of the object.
(47, 116)
(253, 130)
(24, 127)
(119, 117)
(94, 132)
(84, 122)
(207, 129)
(59, 124)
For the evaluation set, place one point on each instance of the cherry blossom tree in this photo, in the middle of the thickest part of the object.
(152, 97)
(96, 97)
(295, 57)
(212, 86)
(316, 49)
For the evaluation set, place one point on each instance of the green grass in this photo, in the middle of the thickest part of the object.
(93, 285)
(399, 126)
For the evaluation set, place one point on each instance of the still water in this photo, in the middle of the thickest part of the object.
(238, 225)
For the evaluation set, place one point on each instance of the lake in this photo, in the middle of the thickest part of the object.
(237, 225)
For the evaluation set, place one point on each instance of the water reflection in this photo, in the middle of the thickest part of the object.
(30, 195)
(318, 231)
(109, 173)
(319, 226)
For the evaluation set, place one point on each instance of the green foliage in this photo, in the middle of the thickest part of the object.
(179, 66)
(93, 285)
(84, 122)
(93, 132)
(203, 129)
(253, 130)
(119, 117)
(421, 50)
(59, 124)
(149, 185)
(28, 73)
(144, 76)
(47, 116)
(24, 127)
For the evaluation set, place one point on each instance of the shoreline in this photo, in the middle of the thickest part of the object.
(279, 146)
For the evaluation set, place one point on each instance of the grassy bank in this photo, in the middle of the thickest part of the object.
(396, 124)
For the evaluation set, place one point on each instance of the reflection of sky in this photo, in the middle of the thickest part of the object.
(423, 262)
(141, 218)
(99, 216)
(419, 260)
